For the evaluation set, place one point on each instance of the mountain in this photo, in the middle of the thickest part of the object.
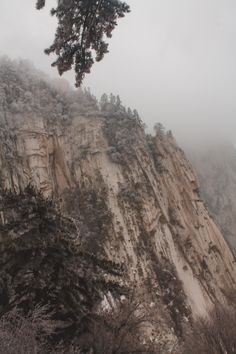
(215, 166)
(130, 199)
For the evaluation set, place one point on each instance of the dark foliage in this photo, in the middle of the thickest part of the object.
(41, 263)
(122, 329)
(26, 334)
(82, 26)
(173, 293)
(91, 210)
(117, 330)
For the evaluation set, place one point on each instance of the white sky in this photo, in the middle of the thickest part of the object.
(173, 60)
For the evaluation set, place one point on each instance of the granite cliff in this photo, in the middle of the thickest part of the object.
(132, 198)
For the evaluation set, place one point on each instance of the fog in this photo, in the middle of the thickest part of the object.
(172, 60)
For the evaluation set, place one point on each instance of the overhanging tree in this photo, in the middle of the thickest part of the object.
(80, 38)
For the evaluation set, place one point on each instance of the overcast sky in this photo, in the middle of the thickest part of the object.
(172, 60)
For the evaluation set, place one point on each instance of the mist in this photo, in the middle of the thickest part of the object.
(174, 61)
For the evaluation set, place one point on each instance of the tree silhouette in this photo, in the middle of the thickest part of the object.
(81, 31)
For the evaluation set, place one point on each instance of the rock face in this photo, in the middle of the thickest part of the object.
(134, 198)
(215, 167)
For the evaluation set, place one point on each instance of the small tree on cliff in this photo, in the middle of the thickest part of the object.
(82, 27)
(159, 129)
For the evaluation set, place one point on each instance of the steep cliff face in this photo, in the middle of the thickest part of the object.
(133, 198)
(215, 167)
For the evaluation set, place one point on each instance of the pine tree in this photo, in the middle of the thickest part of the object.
(136, 117)
(159, 129)
(112, 99)
(118, 102)
(80, 35)
(129, 112)
(103, 102)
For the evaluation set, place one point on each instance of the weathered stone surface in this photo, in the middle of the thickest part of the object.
(133, 198)
(158, 218)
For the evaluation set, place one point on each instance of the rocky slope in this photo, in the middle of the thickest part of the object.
(215, 166)
(133, 198)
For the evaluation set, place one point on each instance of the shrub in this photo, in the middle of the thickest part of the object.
(25, 335)
(122, 330)
(215, 334)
